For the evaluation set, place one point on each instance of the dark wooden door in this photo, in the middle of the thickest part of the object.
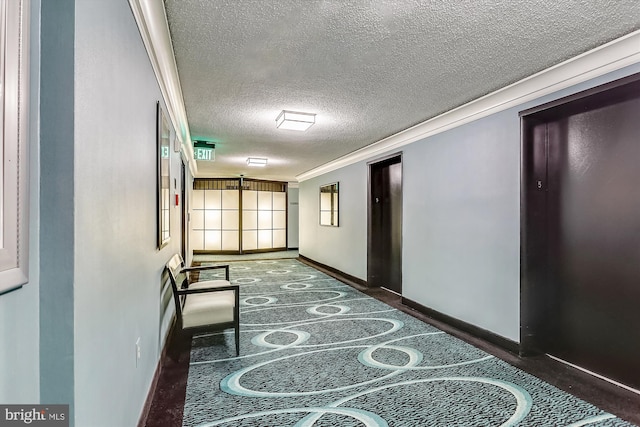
(584, 206)
(385, 225)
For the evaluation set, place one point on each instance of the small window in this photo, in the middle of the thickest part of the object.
(13, 144)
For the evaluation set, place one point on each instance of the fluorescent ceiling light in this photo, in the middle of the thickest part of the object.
(256, 161)
(295, 121)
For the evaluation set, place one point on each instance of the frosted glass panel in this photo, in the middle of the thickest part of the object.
(197, 199)
(249, 200)
(197, 240)
(212, 199)
(279, 201)
(212, 220)
(215, 217)
(230, 220)
(197, 220)
(279, 238)
(249, 240)
(264, 219)
(279, 219)
(230, 240)
(212, 240)
(264, 239)
(264, 200)
(249, 220)
(230, 199)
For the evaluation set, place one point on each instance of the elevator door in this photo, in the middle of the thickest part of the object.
(385, 225)
(592, 232)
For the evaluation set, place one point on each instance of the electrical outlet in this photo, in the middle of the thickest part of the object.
(138, 351)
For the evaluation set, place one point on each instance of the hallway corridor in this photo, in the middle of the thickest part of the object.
(282, 298)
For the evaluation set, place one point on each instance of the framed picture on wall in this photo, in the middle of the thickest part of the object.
(163, 145)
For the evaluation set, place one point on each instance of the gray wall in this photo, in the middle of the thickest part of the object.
(462, 224)
(461, 229)
(117, 266)
(94, 282)
(343, 247)
(57, 197)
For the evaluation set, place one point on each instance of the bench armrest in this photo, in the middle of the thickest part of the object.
(208, 267)
(204, 267)
(235, 288)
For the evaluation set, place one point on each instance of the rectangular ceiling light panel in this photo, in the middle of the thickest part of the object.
(292, 120)
(256, 161)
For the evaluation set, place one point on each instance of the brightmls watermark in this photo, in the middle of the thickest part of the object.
(34, 415)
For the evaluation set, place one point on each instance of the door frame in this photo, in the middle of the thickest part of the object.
(534, 287)
(370, 165)
(184, 223)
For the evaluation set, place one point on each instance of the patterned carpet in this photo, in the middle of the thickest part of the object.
(316, 352)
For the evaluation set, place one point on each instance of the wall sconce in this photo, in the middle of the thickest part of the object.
(256, 161)
(292, 120)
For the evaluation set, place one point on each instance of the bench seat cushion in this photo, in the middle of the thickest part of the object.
(209, 284)
(207, 308)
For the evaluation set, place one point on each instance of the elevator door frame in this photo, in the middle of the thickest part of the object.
(535, 291)
(395, 158)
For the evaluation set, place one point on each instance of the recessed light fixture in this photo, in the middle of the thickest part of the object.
(256, 161)
(293, 120)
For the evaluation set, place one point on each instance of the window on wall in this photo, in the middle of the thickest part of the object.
(13, 144)
(238, 215)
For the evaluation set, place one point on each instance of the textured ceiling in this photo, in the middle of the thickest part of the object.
(368, 69)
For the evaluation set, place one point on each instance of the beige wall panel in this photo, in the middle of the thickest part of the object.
(197, 199)
(249, 220)
(249, 240)
(279, 201)
(212, 219)
(230, 240)
(230, 220)
(249, 199)
(212, 199)
(265, 200)
(230, 199)
(265, 220)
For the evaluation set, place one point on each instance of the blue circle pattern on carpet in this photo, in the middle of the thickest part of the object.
(316, 352)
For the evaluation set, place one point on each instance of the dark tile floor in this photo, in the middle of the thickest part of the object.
(167, 399)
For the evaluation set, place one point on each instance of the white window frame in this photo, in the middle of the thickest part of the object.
(14, 162)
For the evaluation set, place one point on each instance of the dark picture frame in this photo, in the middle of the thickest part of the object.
(164, 149)
(329, 199)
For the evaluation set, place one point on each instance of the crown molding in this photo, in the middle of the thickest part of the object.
(151, 18)
(609, 57)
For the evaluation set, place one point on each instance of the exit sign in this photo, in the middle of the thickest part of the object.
(202, 153)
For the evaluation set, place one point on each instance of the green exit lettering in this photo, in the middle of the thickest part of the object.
(203, 153)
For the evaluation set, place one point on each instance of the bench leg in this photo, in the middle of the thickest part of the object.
(236, 325)
(236, 318)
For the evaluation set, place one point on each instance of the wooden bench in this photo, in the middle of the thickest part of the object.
(204, 305)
